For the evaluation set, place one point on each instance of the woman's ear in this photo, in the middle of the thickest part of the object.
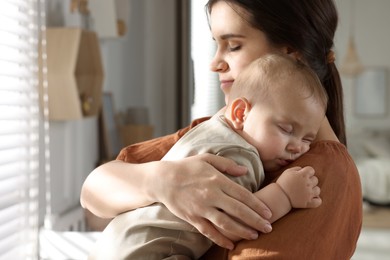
(239, 109)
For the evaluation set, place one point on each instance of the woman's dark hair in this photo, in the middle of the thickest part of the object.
(305, 26)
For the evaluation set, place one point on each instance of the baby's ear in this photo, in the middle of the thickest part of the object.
(239, 108)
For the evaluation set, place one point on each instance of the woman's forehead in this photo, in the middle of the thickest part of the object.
(226, 20)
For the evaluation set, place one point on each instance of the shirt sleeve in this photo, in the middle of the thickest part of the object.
(155, 149)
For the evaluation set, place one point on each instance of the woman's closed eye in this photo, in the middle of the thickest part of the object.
(234, 47)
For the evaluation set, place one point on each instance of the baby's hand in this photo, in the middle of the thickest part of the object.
(300, 185)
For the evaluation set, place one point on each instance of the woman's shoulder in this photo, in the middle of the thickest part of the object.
(328, 145)
(328, 148)
(154, 149)
(326, 155)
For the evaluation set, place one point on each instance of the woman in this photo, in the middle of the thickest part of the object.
(243, 31)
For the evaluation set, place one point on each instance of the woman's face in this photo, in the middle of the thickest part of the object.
(238, 44)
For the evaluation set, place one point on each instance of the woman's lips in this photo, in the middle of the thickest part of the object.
(226, 84)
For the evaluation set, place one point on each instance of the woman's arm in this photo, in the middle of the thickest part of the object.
(109, 189)
(116, 187)
(194, 189)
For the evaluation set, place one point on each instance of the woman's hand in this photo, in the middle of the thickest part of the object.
(195, 190)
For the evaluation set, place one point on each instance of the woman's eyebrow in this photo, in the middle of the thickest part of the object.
(230, 35)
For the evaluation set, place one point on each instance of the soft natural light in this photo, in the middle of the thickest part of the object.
(19, 131)
(208, 97)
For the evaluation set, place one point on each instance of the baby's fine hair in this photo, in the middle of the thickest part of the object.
(263, 79)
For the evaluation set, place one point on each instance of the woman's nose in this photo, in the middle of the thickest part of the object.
(218, 65)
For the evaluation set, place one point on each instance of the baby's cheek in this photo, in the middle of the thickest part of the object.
(306, 148)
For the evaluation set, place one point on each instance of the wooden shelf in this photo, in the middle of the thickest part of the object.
(75, 73)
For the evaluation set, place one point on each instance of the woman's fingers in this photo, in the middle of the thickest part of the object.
(230, 211)
(224, 165)
(195, 190)
(222, 229)
(208, 230)
(243, 205)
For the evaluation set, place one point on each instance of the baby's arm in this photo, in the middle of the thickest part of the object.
(295, 188)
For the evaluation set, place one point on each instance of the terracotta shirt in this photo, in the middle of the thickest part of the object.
(330, 231)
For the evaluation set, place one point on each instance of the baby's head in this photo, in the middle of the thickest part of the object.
(277, 104)
(271, 74)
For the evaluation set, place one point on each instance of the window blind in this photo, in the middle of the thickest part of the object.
(19, 129)
(208, 97)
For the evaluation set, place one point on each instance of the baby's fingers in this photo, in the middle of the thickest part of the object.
(316, 191)
(307, 171)
(295, 168)
(314, 181)
(314, 203)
